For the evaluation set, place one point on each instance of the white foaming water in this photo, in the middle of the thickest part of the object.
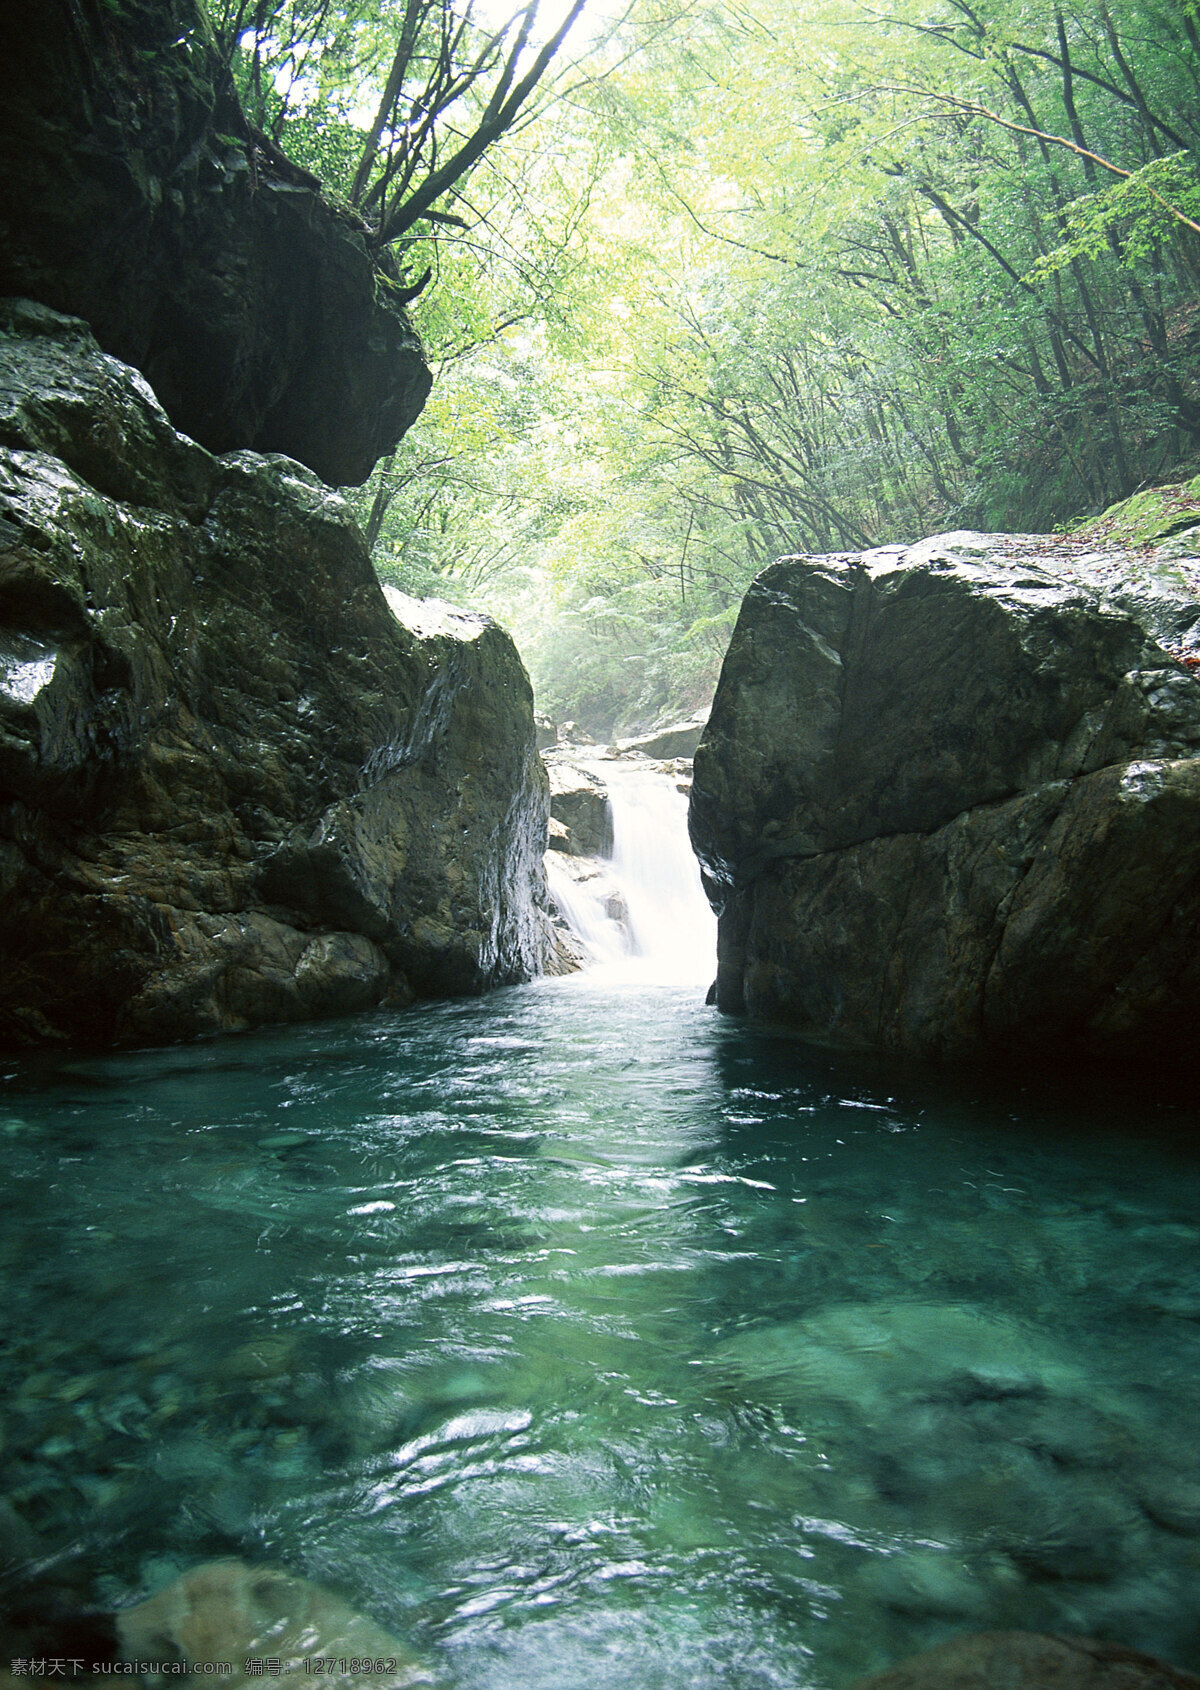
(668, 932)
(582, 904)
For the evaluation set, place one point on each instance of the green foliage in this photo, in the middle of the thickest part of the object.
(393, 103)
(1132, 219)
(804, 278)
(328, 146)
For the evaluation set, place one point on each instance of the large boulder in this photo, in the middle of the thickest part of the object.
(948, 800)
(235, 786)
(133, 193)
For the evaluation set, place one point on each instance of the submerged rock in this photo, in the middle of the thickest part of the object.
(133, 193)
(1027, 1660)
(875, 1356)
(227, 1611)
(948, 800)
(235, 785)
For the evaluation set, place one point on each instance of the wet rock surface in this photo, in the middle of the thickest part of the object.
(580, 808)
(580, 843)
(134, 194)
(235, 785)
(1019, 1660)
(948, 799)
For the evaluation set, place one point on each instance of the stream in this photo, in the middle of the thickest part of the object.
(580, 1330)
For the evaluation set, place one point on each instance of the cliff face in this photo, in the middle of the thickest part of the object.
(134, 195)
(948, 801)
(234, 786)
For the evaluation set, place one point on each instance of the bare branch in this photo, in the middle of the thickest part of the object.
(976, 110)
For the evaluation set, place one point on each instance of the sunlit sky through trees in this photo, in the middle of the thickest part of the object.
(737, 283)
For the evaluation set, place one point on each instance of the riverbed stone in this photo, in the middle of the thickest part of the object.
(925, 1582)
(572, 733)
(1023, 1660)
(878, 1357)
(948, 799)
(136, 195)
(19, 1544)
(236, 784)
(230, 1611)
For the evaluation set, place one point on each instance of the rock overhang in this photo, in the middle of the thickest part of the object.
(136, 196)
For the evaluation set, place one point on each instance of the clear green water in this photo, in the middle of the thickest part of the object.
(580, 1333)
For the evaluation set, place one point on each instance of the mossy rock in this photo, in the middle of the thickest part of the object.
(1152, 517)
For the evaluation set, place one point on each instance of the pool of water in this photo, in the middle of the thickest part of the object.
(583, 1331)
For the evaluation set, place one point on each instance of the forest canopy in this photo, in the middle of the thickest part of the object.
(706, 284)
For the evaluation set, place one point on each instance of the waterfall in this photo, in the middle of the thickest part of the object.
(586, 907)
(641, 914)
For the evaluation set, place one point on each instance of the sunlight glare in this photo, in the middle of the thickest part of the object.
(595, 23)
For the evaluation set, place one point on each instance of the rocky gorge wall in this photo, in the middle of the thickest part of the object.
(234, 786)
(948, 802)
